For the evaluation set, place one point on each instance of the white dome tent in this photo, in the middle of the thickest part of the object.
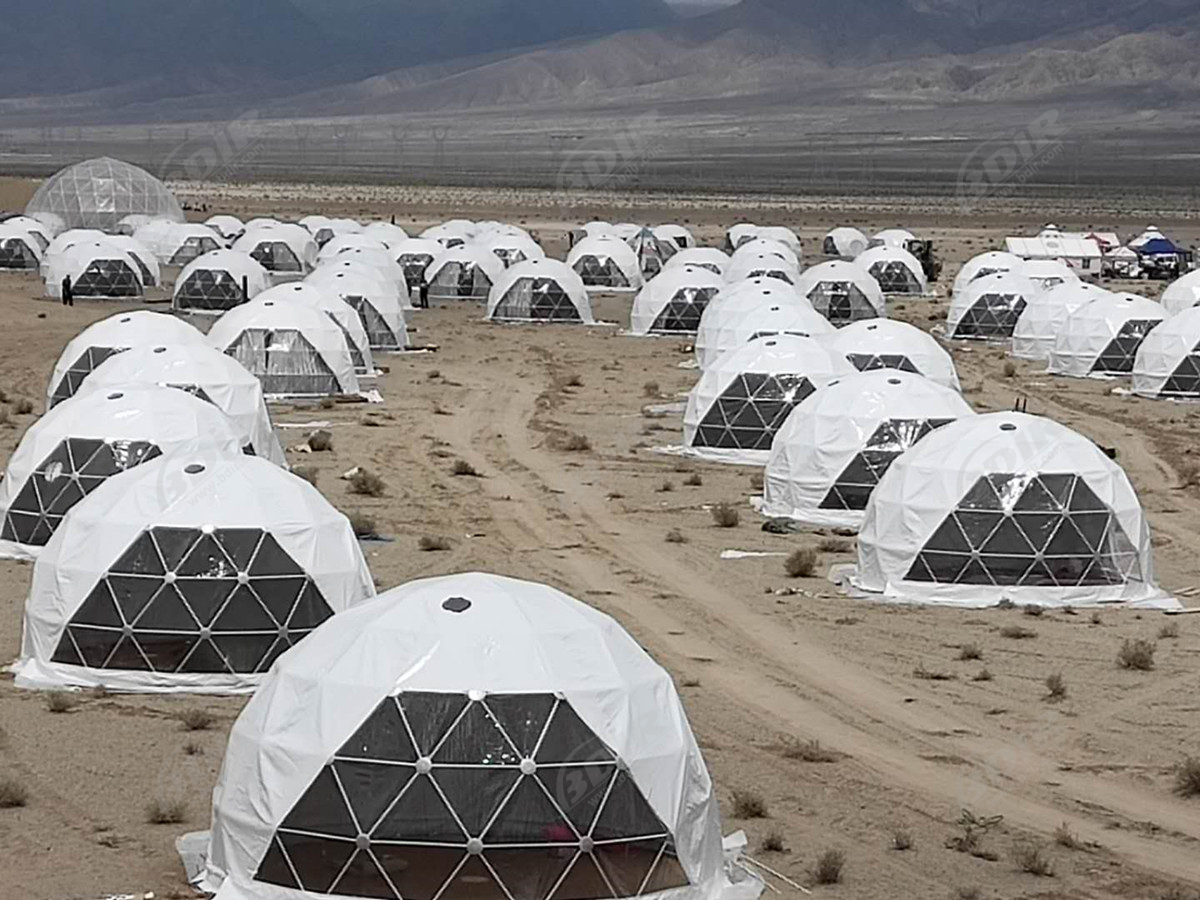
(896, 270)
(283, 250)
(716, 261)
(762, 306)
(741, 401)
(990, 263)
(19, 249)
(831, 452)
(897, 238)
(64, 241)
(464, 272)
(352, 265)
(176, 243)
(681, 237)
(146, 261)
(606, 263)
(229, 228)
(764, 246)
(781, 235)
(1007, 506)
(652, 253)
(80, 444)
(320, 228)
(293, 348)
(1101, 338)
(204, 372)
(414, 256)
(843, 292)
(890, 344)
(740, 234)
(42, 233)
(674, 301)
(1183, 293)
(595, 786)
(845, 242)
(512, 247)
(1049, 273)
(343, 242)
(988, 308)
(389, 233)
(192, 573)
(451, 234)
(379, 260)
(111, 336)
(218, 281)
(540, 290)
(1168, 360)
(98, 193)
(96, 270)
(745, 266)
(1042, 319)
(343, 315)
(378, 306)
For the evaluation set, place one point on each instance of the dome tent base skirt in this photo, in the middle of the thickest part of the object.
(36, 675)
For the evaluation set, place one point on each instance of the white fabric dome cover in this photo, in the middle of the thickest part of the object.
(764, 246)
(1049, 273)
(230, 228)
(190, 573)
(389, 233)
(674, 300)
(203, 371)
(78, 445)
(745, 266)
(1168, 360)
(1042, 319)
(845, 242)
(41, 232)
(353, 333)
(212, 283)
(987, 309)
(358, 267)
(890, 344)
(539, 290)
(110, 336)
(97, 269)
(147, 262)
(752, 308)
(98, 193)
(843, 292)
(343, 242)
(511, 247)
(896, 270)
(280, 249)
(19, 248)
(989, 263)
(1183, 293)
(838, 443)
(177, 243)
(1102, 337)
(379, 306)
(716, 261)
(606, 263)
(893, 237)
(464, 272)
(740, 402)
(1007, 506)
(681, 237)
(378, 723)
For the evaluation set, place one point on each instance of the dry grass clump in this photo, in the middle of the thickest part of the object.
(651, 389)
(984, 674)
(575, 443)
(1169, 632)
(828, 868)
(1187, 777)
(363, 525)
(61, 701)
(772, 842)
(193, 748)
(1032, 609)
(666, 487)
(809, 751)
(367, 484)
(1189, 473)
(969, 651)
(835, 545)
(3, 415)
(693, 480)
(166, 812)
(757, 482)
(1017, 632)
(13, 794)
(1137, 655)
(801, 563)
(1030, 858)
(1056, 687)
(433, 544)
(925, 674)
(308, 473)
(572, 380)
(675, 536)
(1065, 837)
(320, 441)
(327, 403)
(1010, 369)
(197, 719)
(463, 469)
(902, 840)
(748, 805)
(726, 515)
(23, 407)
(968, 893)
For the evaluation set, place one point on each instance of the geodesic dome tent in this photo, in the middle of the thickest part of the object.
(65, 240)
(511, 247)
(739, 234)
(294, 348)
(190, 573)
(146, 262)
(390, 756)
(98, 193)
(450, 234)
(280, 249)
(890, 344)
(97, 270)
(464, 272)
(764, 246)
(204, 372)
(743, 266)
(843, 292)
(606, 263)
(896, 270)
(354, 264)
(19, 249)
(652, 252)
(716, 261)
(742, 400)
(389, 233)
(355, 241)
(782, 235)
(42, 233)
(343, 315)
(378, 306)
(1049, 273)
(1168, 360)
(1102, 337)
(988, 308)
(990, 263)
(414, 256)
(678, 235)
(1006, 506)
(1183, 293)
(228, 228)
(756, 308)
(177, 244)
(539, 290)
(892, 237)
(80, 444)
(845, 242)
(674, 301)
(1042, 319)
(111, 336)
(214, 282)
(319, 227)
(831, 452)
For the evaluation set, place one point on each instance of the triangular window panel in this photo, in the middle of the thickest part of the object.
(430, 716)
(626, 814)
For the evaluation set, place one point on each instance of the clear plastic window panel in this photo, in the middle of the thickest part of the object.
(830, 247)
(750, 411)
(323, 236)
(537, 298)
(510, 256)
(683, 312)
(853, 487)
(100, 192)
(1118, 357)
(992, 316)
(460, 281)
(210, 289)
(1185, 380)
(870, 362)
(777, 274)
(600, 271)
(356, 354)
(79, 370)
(16, 254)
(147, 276)
(895, 278)
(414, 266)
(192, 248)
(520, 800)
(74, 469)
(379, 335)
(1047, 530)
(285, 362)
(841, 302)
(276, 256)
(107, 279)
(183, 601)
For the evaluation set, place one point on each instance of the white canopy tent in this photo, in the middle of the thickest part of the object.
(843, 292)
(606, 263)
(146, 261)
(450, 234)
(42, 233)
(354, 266)
(1168, 360)
(343, 242)
(831, 452)
(389, 233)
(191, 573)
(1042, 319)
(674, 301)
(680, 236)
(744, 266)
(511, 247)
(415, 256)
(987, 309)
(1011, 507)
(890, 344)
(1102, 337)
(1183, 293)
(218, 281)
(540, 290)
(892, 237)
(765, 246)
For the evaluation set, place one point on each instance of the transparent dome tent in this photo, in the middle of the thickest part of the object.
(99, 193)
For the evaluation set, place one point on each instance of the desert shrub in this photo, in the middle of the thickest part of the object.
(693, 480)
(835, 545)
(328, 403)
(166, 811)
(925, 674)
(1169, 632)
(463, 469)
(651, 389)
(572, 380)
(308, 473)
(726, 515)
(828, 868)
(1030, 858)
(197, 719)
(983, 674)
(1065, 837)
(801, 563)
(748, 805)
(666, 487)
(433, 544)
(1010, 369)
(363, 524)
(756, 481)
(1056, 686)
(1187, 777)
(193, 748)
(1032, 609)
(675, 536)
(13, 794)
(367, 483)
(23, 407)
(1017, 633)
(969, 651)
(968, 893)
(809, 751)
(1137, 655)
(576, 443)
(320, 441)
(902, 839)
(772, 842)
(61, 701)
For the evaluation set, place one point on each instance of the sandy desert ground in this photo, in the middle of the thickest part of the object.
(763, 661)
